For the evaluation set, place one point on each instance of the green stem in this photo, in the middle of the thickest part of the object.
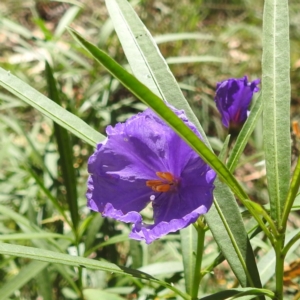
(294, 187)
(279, 267)
(79, 281)
(256, 210)
(270, 222)
(199, 255)
(290, 244)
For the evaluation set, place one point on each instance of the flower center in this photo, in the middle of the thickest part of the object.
(166, 183)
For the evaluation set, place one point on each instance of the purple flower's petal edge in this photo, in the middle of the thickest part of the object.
(149, 233)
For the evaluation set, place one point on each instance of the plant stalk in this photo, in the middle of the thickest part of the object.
(199, 255)
(279, 246)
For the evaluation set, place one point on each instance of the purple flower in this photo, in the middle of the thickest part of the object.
(144, 161)
(233, 97)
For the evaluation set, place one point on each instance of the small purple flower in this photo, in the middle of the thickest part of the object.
(233, 97)
(144, 161)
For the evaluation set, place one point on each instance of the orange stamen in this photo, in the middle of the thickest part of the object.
(151, 183)
(161, 188)
(166, 183)
(165, 175)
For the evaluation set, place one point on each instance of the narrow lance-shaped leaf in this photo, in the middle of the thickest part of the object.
(46, 106)
(188, 238)
(239, 256)
(244, 134)
(276, 102)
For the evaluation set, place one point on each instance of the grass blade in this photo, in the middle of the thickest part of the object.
(65, 152)
(27, 273)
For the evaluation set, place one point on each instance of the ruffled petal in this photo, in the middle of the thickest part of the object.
(123, 195)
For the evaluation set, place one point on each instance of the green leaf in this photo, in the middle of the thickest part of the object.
(276, 96)
(296, 204)
(49, 108)
(47, 192)
(225, 217)
(65, 259)
(91, 228)
(292, 193)
(44, 284)
(64, 271)
(244, 134)
(65, 150)
(32, 235)
(224, 151)
(239, 292)
(136, 252)
(189, 238)
(26, 274)
(20, 30)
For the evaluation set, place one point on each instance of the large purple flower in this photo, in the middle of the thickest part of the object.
(233, 97)
(144, 161)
